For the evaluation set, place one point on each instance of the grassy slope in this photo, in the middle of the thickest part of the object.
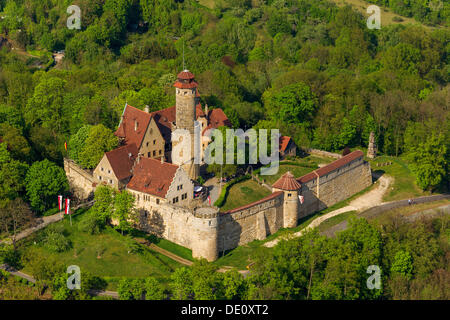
(404, 186)
(243, 193)
(115, 261)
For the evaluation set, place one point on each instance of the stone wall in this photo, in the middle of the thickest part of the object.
(81, 181)
(207, 232)
(251, 222)
(336, 186)
(323, 153)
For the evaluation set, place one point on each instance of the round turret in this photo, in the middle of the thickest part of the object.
(290, 187)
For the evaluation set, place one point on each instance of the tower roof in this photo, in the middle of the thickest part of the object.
(185, 80)
(287, 182)
(185, 75)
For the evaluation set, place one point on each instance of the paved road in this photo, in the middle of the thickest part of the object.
(367, 200)
(214, 188)
(373, 212)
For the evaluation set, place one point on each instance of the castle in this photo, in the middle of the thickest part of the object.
(162, 182)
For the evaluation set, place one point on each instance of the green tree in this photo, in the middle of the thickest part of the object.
(402, 264)
(292, 104)
(430, 161)
(181, 283)
(44, 182)
(99, 141)
(45, 107)
(104, 204)
(77, 142)
(124, 210)
(153, 289)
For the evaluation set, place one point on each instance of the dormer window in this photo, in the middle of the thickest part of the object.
(136, 124)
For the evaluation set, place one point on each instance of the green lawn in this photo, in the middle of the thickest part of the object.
(243, 193)
(404, 185)
(298, 167)
(114, 261)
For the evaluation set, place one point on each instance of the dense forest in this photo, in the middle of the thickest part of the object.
(308, 67)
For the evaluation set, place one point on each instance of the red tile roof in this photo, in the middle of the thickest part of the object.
(269, 197)
(287, 182)
(122, 160)
(185, 75)
(185, 85)
(217, 118)
(152, 177)
(164, 119)
(332, 166)
(284, 142)
(199, 111)
(126, 128)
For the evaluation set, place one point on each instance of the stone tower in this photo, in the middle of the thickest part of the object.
(290, 187)
(186, 91)
(372, 149)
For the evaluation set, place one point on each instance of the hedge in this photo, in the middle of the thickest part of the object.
(224, 193)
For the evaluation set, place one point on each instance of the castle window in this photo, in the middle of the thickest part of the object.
(154, 152)
(175, 200)
(289, 195)
(101, 169)
(184, 196)
(149, 154)
(109, 171)
(147, 144)
(110, 181)
(159, 152)
(99, 177)
(157, 201)
(154, 141)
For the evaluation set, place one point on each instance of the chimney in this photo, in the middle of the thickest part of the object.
(139, 157)
(206, 111)
(162, 159)
(147, 109)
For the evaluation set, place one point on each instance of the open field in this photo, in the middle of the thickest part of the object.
(105, 255)
(387, 16)
(243, 193)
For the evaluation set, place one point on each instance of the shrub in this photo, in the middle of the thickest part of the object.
(90, 224)
(57, 242)
(54, 239)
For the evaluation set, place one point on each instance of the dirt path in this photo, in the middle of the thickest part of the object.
(370, 199)
(14, 272)
(185, 261)
(42, 222)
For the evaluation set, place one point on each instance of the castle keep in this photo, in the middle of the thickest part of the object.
(161, 182)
